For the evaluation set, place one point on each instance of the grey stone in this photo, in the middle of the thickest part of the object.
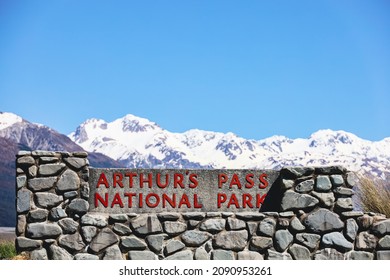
(305, 186)
(344, 204)
(50, 169)
(32, 171)
(68, 225)
(267, 227)
(43, 230)
(227, 214)
(168, 216)
(85, 257)
(296, 225)
(103, 239)
(366, 241)
(193, 224)
(21, 225)
(84, 191)
(88, 232)
(49, 242)
(26, 244)
(25, 161)
(21, 181)
(249, 255)
(352, 179)
(287, 184)
(132, 243)
(113, 253)
(57, 214)
(351, 229)
(39, 153)
(326, 199)
(39, 254)
(23, 201)
(344, 191)
(70, 195)
(142, 255)
(80, 154)
(287, 214)
(252, 227)
(273, 255)
(222, 255)
(78, 206)
(195, 238)
(365, 221)
(359, 255)
(328, 254)
(323, 184)
(76, 163)
(322, 221)
(146, 224)
(193, 215)
(351, 214)
(72, 242)
(117, 218)
(296, 172)
(236, 224)
(38, 215)
(384, 243)
(283, 223)
(68, 181)
(23, 153)
(309, 240)
(174, 228)
(337, 240)
(58, 253)
(383, 255)
(261, 243)
(19, 171)
(299, 252)
(231, 240)
(213, 215)
(283, 239)
(43, 160)
(48, 200)
(208, 246)
(292, 201)
(381, 228)
(337, 180)
(182, 255)
(201, 254)
(96, 220)
(155, 242)
(121, 229)
(213, 225)
(253, 216)
(173, 246)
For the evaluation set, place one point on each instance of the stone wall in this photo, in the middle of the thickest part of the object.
(314, 219)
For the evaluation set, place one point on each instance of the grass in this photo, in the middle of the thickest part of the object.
(374, 196)
(7, 250)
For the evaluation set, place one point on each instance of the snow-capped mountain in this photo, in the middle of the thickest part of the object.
(138, 142)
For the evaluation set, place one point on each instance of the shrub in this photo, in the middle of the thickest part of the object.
(7, 250)
(374, 196)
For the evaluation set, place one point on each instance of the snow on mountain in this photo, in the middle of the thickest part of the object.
(137, 142)
(8, 119)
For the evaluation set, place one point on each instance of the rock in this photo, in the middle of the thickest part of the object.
(174, 228)
(25, 161)
(249, 255)
(260, 243)
(23, 201)
(194, 215)
(330, 170)
(39, 254)
(213, 225)
(365, 221)
(231, 240)
(68, 181)
(155, 242)
(287, 214)
(283, 223)
(381, 228)
(43, 230)
(193, 224)
(309, 240)
(299, 252)
(352, 179)
(57, 214)
(32, 171)
(68, 225)
(296, 225)
(293, 201)
(72, 242)
(142, 255)
(201, 254)
(173, 246)
(41, 184)
(50, 169)
(44, 160)
(267, 227)
(38, 215)
(103, 239)
(383, 255)
(305, 186)
(182, 255)
(366, 241)
(48, 200)
(337, 180)
(322, 221)
(121, 229)
(21, 181)
(96, 220)
(337, 240)
(252, 227)
(195, 238)
(213, 215)
(168, 216)
(328, 254)
(117, 218)
(85, 257)
(21, 225)
(326, 199)
(351, 214)
(273, 255)
(132, 243)
(344, 204)
(222, 255)
(113, 253)
(84, 191)
(287, 184)
(78, 206)
(351, 229)
(227, 214)
(323, 184)
(235, 224)
(253, 216)
(70, 195)
(384, 243)
(359, 255)
(146, 224)
(76, 163)
(296, 172)
(26, 244)
(89, 232)
(283, 239)
(344, 191)
(58, 253)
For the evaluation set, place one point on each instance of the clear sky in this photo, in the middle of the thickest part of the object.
(255, 68)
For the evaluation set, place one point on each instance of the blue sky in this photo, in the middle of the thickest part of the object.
(255, 68)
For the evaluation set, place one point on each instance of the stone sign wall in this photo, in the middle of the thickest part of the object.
(305, 213)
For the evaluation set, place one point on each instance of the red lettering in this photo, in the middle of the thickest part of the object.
(233, 200)
(263, 181)
(178, 180)
(140, 202)
(102, 181)
(117, 201)
(184, 201)
(117, 179)
(98, 199)
(130, 199)
(249, 181)
(260, 199)
(222, 179)
(152, 204)
(247, 200)
(131, 176)
(235, 181)
(221, 198)
(194, 181)
(142, 180)
(161, 185)
(170, 200)
(196, 203)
